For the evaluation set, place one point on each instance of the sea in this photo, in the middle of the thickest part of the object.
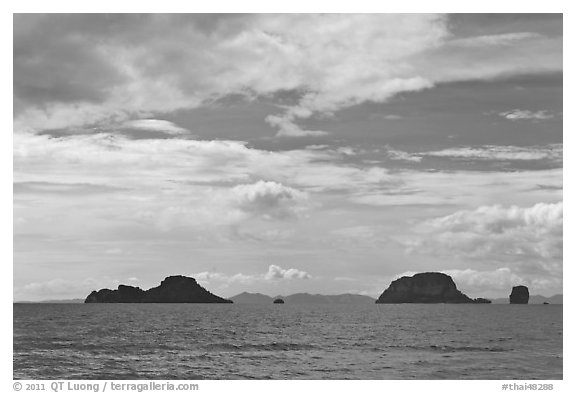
(245, 341)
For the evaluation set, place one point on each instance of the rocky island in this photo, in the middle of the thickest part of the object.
(278, 301)
(519, 295)
(303, 298)
(429, 287)
(173, 289)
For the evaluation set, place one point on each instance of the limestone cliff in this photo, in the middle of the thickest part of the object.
(173, 289)
(424, 288)
(519, 295)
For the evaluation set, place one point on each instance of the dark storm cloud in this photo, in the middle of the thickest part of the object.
(63, 58)
(55, 60)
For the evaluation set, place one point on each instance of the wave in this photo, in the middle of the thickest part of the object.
(273, 346)
(450, 348)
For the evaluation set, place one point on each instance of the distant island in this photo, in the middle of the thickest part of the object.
(278, 301)
(302, 298)
(534, 299)
(431, 287)
(173, 289)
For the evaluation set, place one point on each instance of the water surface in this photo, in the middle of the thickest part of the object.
(235, 341)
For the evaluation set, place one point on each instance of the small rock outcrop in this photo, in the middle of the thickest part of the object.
(424, 288)
(519, 295)
(278, 301)
(481, 300)
(173, 289)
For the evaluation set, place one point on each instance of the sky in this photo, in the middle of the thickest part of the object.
(284, 153)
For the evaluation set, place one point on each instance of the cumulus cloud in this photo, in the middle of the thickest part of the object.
(498, 233)
(226, 189)
(519, 114)
(274, 273)
(268, 198)
(277, 273)
(227, 210)
(168, 183)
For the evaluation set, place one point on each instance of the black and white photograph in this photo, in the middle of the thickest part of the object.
(288, 196)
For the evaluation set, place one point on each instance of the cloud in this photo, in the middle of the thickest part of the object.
(60, 288)
(132, 160)
(206, 188)
(499, 282)
(154, 125)
(552, 152)
(329, 101)
(40, 187)
(498, 233)
(399, 155)
(172, 162)
(519, 114)
(501, 153)
(268, 198)
(274, 273)
(225, 211)
(159, 63)
(392, 117)
(494, 39)
(287, 128)
(226, 191)
(277, 273)
(142, 65)
(356, 232)
(475, 188)
(341, 60)
(208, 277)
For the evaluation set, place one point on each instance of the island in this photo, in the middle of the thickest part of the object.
(173, 289)
(303, 298)
(430, 287)
(519, 295)
(278, 301)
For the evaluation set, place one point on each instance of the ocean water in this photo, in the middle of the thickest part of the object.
(235, 341)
